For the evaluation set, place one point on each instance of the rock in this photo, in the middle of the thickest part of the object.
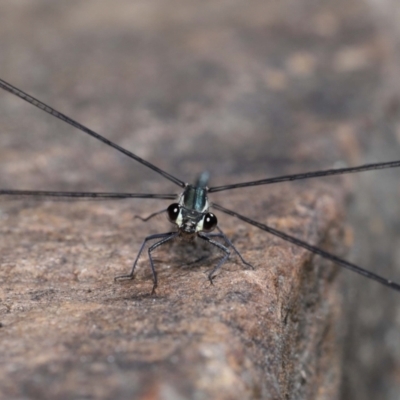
(244, 92)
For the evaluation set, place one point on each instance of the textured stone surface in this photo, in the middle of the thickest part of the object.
(70, 331)
(245, 92)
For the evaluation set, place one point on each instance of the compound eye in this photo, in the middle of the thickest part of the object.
(173, 211)
(210, 222)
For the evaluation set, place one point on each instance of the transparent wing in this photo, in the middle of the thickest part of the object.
(37, 103)
(307, 175)
(84, 195)
(315, 250)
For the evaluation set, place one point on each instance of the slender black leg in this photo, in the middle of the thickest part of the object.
(222, 235)
(171, 235)
(150, 216)
(222, 260)
(164, 237)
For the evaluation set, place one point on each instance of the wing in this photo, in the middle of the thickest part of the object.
(315, 250)
(307, 175)
(37, 103)
(85, 195)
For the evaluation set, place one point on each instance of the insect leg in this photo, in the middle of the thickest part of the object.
(166, 237)
(150, 216)
(162, 236)
(222, 235)
(222, 260)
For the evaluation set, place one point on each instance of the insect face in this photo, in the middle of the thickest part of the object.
(191, 213)
(191, 221)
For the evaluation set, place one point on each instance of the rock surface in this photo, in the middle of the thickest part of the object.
(245, 92)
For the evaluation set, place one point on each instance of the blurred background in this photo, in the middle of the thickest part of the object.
(246, 89)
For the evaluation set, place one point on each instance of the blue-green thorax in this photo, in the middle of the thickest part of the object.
(194, 206)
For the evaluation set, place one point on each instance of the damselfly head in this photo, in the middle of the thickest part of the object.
(190, 221)
(191, 213)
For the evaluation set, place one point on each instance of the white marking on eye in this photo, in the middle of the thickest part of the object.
(179, 219)
(200, 225)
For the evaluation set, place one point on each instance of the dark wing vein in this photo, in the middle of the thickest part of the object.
(315, 250)
(88, 195)
(37, 103)
(307, 175)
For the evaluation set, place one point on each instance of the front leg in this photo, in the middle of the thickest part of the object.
(164, 237)
(222, 235)
(222, 260)
(145, 219)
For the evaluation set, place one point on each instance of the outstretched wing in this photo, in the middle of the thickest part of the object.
(37, 103)
(315, 250)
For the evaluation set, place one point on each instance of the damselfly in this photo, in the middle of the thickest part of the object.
(190, 211)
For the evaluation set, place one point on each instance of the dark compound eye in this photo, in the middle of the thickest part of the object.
(210, 222)
(173, 211)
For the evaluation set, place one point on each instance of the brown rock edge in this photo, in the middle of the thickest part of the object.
(68, 331)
